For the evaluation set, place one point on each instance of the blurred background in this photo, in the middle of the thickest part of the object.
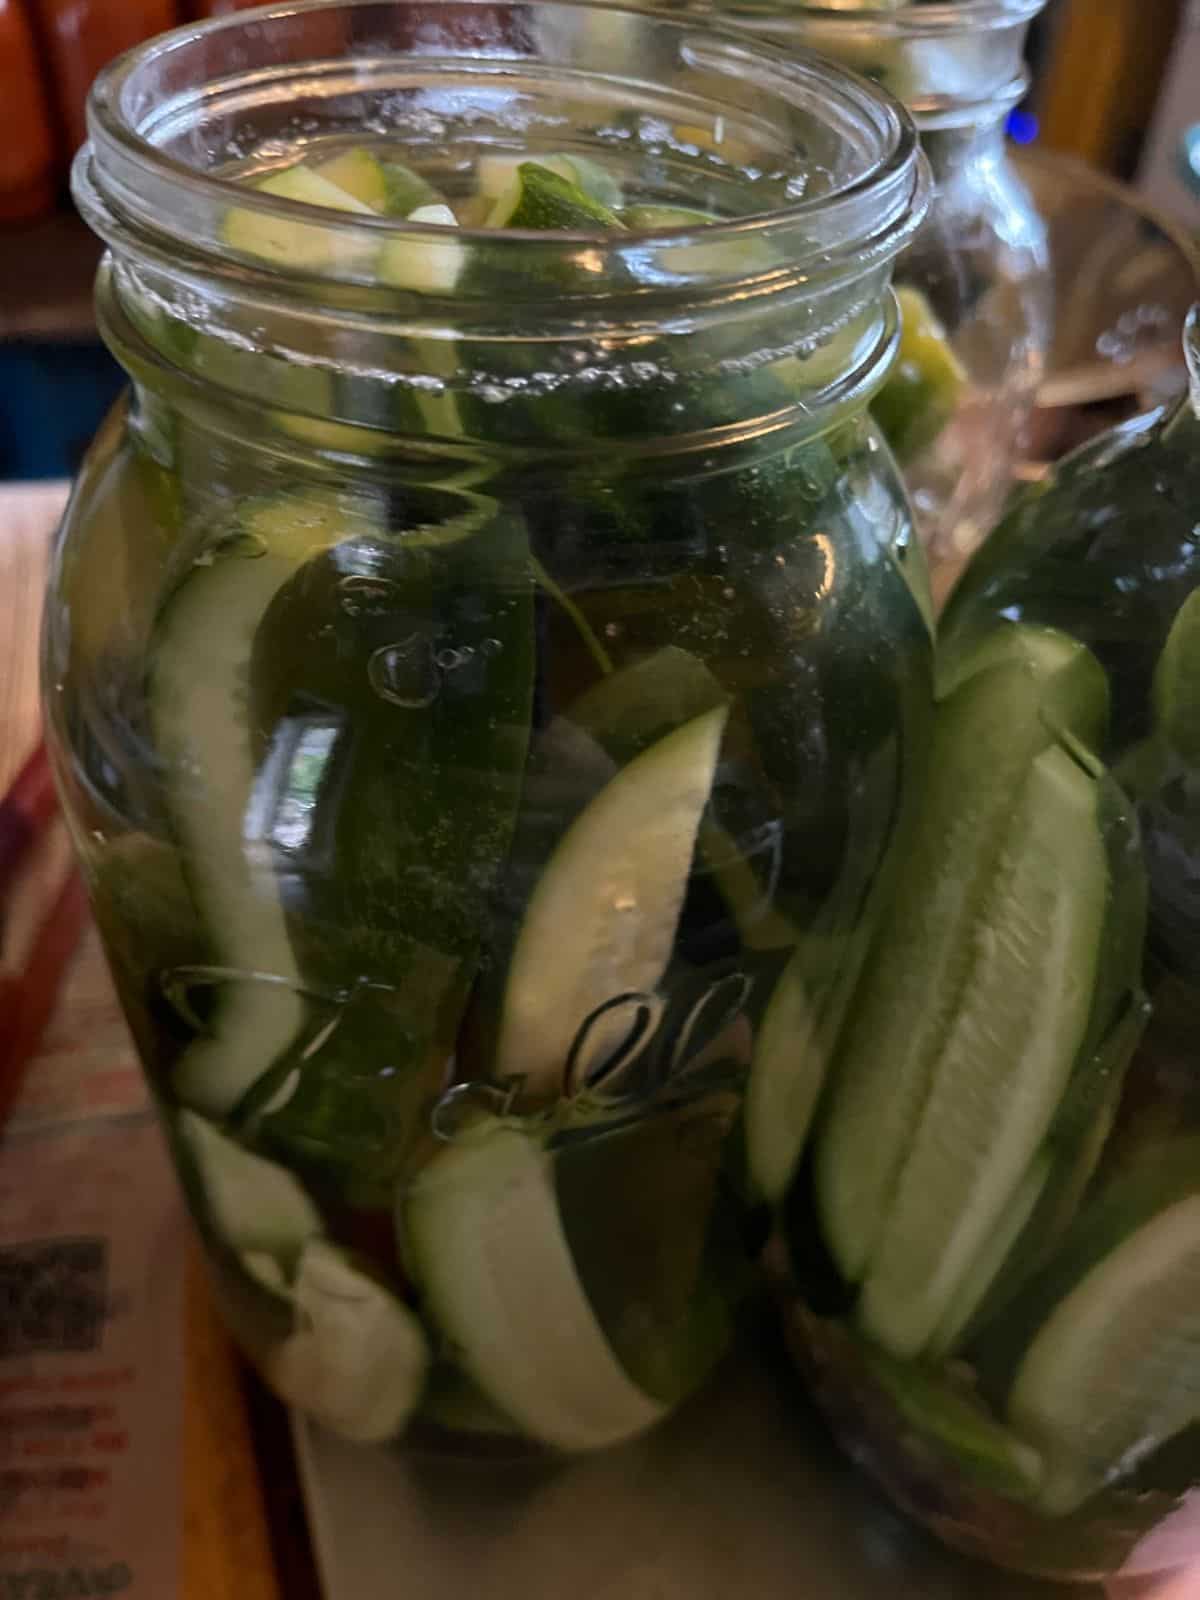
(1115, 84)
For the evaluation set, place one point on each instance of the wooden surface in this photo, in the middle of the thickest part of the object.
(1103, 78)
(227, 1550)
(46, 275)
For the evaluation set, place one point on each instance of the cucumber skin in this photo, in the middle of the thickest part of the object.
(571, 1394)
(412, 821)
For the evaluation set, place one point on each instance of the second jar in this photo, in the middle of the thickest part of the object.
(975, 285)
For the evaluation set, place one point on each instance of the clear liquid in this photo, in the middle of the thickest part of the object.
(427, 713)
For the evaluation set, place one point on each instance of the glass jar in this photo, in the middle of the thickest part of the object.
(978, 299)
(1018, 1357)
(483, 698)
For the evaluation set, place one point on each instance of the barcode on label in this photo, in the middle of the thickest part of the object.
(53, 1296)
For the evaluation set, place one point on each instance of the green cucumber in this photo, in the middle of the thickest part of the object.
(538, 197)
(987, 732)
(922, 391)
(1111, 1374)
(198, 710)
(642, 1215)
(254, 1206)
(956, 1426)
(388, 187)
(1177, 684)
(299, 245)
(1003, 1064)
(404, 659)
(494, 175)
(486, 1242)
(358, 1357)
(626, 712)
(1073, 686)
(992, 1256)
(786, 1077)
(601, 921)
(428, 266)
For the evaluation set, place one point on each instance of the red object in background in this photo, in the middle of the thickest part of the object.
(198, 9)
(28, 988)
(81, 36)
(28, 180)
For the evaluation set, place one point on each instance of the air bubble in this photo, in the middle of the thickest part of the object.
(406, 673)
(243, 546)
(362, 594)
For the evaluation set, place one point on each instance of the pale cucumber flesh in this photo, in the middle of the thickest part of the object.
(1112, 1374)
(786, 1076)
(1003, 1065)
(253, 1205)
(199, 716)
(498, 1278)
(358, 1358)
(601, 922)
(987, 732)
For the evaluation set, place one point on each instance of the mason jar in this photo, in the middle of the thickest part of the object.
(1002, 1319)
(486, 666)
(975, 283)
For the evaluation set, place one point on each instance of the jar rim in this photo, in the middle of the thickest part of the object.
(124, 173)
(928, 20)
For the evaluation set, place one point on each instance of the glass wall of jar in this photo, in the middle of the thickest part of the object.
(975, 285)
(486, 660)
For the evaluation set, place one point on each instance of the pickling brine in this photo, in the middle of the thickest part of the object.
(489, 663)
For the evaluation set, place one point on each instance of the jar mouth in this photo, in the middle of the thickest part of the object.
(729, 113)
(927, 20)
(954, 63)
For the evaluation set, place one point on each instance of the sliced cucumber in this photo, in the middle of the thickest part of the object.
(1112, 1374)
(360, 174)
(624, 713)
(986, 734)
(786, 1078)
(641, 1212)
(198, 711)
(735, 258)
(1004, 1062)
(538, 197)
(385, 186)
(255, 1206)
(494, 175)
(957, 1426)
(920, 394)
(487, 1243)
(428, 266)
(991, 1258)
(298, 244)
(1177, 684)
(1073, 686)
(358, 1359)
(602, 920)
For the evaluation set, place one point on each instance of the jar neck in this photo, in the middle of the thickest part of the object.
(954, 64)
(707, 319)
(952, 151)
